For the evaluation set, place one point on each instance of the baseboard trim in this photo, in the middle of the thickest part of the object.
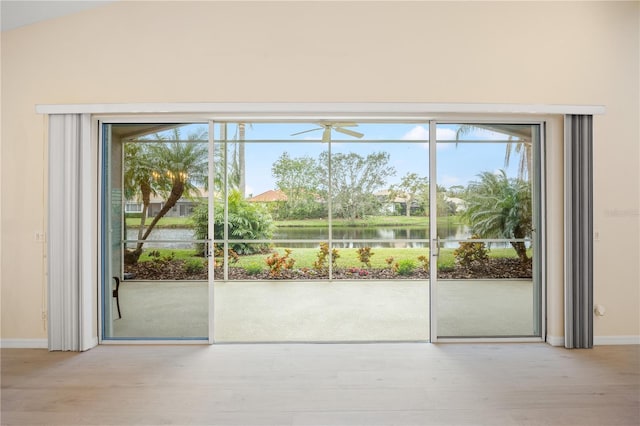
(24, 343)
(555, 340)
(552, 340)
(599, 340)
(92, 344)
(616, 340)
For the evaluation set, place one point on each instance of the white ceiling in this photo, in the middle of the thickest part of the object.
(17, 13)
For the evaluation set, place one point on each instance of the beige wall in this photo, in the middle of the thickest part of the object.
(503, 52)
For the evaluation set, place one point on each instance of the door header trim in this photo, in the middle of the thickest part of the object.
(418, 109)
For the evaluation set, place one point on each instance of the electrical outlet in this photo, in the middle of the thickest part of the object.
(596, 236)
(40, 237)
(44, 315)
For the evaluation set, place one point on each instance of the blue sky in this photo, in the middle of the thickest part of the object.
(457, 164)
(407, 144)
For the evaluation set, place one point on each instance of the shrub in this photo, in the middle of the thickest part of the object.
(424, 260)
(389, 261)
(159, 263)
(218, 253)
(253, 268)
(278, 263)
(159, 260)
(246, 221)
(358, 271)
(194, 266)
(364, 255)
(323, 258)
(469, 252)
(405, 267)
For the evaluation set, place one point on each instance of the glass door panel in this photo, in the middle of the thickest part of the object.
(311, 245)
(155, 275)
(485, 207)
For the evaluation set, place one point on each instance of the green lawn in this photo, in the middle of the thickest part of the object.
(185, 222)
(177, 254)
(370, 221)
(305, 257)
(165, 222)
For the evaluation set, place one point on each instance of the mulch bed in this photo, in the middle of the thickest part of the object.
(175, 270)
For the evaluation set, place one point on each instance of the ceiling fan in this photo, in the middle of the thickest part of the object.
(338, 127)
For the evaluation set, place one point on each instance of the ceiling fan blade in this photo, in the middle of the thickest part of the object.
(306, 131)
(349, 132)
(345, 124)
(326, 135)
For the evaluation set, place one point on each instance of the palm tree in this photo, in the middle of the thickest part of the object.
(241, 159)
(237, 162)
(172, 169)
(499, 207)
(524, 164)
(139, 181)
(522, 146)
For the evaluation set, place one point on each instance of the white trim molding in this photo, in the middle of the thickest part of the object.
(23, 343)
(600, 340)
(311, 108)
(555, 340)
(81, 180)
(616, 340)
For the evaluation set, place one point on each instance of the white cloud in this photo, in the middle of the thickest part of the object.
(422, 133)
(446, 134)
(416, 134)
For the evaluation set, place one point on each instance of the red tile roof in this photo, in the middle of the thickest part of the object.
(269, 196)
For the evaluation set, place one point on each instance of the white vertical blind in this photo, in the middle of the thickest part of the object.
(69, 243)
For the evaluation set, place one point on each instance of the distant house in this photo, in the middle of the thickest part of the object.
(460, 204)
(184, 206)
(395, 203)
(269, 196)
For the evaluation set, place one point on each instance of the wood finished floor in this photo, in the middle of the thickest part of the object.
(324, 384)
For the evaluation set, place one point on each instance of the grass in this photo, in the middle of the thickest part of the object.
(178, 254)
(165, 222)
(305, 257)
(373, 221)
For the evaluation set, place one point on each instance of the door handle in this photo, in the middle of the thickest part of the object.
(436, 252)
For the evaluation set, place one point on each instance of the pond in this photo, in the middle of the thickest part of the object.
(342, 236)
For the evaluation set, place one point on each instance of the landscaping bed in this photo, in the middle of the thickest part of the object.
(178, 269)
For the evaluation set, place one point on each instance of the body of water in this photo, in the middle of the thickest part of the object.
(342, 236)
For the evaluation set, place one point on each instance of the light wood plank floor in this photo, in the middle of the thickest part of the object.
(324, 384)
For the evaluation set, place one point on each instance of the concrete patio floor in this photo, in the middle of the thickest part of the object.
(276, 311)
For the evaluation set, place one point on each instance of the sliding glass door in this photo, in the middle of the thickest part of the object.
(487, 198)
(320, 231)
(328, 230)
(155, 269)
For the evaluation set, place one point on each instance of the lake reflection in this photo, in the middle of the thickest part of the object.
(342, 236)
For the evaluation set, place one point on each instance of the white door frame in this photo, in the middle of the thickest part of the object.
(281, 111)
(539, 274)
